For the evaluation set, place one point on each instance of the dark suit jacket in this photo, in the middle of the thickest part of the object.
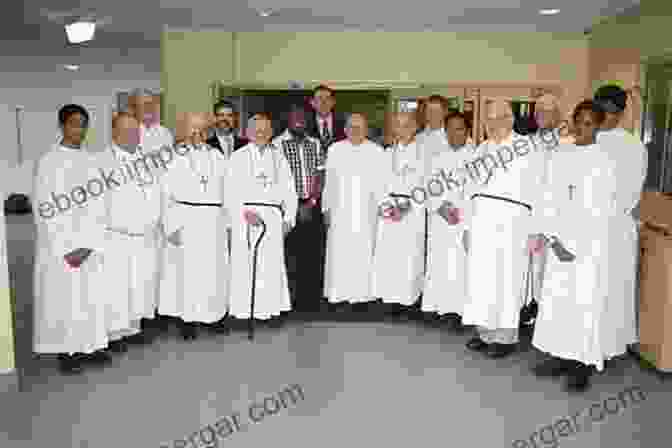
(238, 142)
(338, 126)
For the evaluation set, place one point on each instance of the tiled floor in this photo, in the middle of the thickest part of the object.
(364, 384)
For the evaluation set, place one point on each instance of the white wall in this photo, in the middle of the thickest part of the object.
(41, 86)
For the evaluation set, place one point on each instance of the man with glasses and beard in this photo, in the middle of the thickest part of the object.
(225, 139)
(303, 252)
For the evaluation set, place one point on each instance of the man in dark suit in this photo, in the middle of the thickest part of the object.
(324, 123)
(225, 139)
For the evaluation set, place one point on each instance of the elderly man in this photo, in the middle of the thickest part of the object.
(501, 209)
(398, 274)
(194, 286)
(631, 159)
(355, 185)
(132, 218)
(225, 139)
(433, 137)
(259, 189)
(153, 137)
(303, 245)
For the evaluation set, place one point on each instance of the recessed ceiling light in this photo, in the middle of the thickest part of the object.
(71, 67)
(80, 32)
(265, 13)
(549, 12)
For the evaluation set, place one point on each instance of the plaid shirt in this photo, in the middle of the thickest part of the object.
(310, 155)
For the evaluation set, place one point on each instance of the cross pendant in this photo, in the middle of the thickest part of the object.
(264, 180)
(571, 191)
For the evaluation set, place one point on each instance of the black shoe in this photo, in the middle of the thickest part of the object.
(99, 357)
(188, 331)
(477, 344)
(276, 322)
(221, 327)
(452, 321)
(578, 379)
(497, 350)
(118, 346)
(70, 364)
(553, 367)
(142, 338)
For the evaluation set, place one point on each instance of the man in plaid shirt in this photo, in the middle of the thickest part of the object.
(303, 254)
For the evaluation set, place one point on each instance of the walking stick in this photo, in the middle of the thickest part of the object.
(250, 322)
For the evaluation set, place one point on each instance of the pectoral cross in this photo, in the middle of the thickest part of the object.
(571, 191)
(264, 180)
(204, 183)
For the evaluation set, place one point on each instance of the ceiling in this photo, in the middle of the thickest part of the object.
(138, 23)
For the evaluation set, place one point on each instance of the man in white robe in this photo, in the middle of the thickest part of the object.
(194, 284)
(433, 137)
(69, 287)
(6, 335)
(577, 212)
(631, 159)
(445, 290)
(398, 272)
(132, 218)
(259, 186)
(498, 233)
(547, 138)
(144, 105)
(354, 187)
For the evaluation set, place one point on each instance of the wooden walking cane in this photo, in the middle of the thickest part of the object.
(250, 327)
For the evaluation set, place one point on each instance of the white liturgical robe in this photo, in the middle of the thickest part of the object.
(434, 140)
(5, 291)
(578, 208)
(354, 187)
(195, 275)
(446, 285)
(398, 272)
(261, 183)
(132, 219)
(499, 227)
(631, 159)
(70, 304)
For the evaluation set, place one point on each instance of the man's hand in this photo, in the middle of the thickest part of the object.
(175, 238)
(450, 213)
(536, 244)
(251, 218)
(78, 256)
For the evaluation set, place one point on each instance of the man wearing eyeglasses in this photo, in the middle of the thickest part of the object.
(503, 195)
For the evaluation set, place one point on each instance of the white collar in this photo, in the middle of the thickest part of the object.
(70, 149)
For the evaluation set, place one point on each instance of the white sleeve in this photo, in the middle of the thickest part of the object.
(289, 196)
(172, 214)
(330, 181)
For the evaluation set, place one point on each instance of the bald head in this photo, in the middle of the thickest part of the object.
(547, 111)
(357, 128)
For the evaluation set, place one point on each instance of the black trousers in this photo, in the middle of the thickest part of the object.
(304, 257)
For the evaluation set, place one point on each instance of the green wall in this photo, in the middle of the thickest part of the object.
(274, 58)
(6, 330)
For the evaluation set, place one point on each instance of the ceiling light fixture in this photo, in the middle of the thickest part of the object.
(71, 67)
(79, 32)
(549, 12)
(265, 13)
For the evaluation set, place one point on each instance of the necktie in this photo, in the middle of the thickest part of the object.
(325, 131)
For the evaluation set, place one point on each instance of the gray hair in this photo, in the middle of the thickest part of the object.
(140, 91)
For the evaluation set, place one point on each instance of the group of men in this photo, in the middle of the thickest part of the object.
(297, 222)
